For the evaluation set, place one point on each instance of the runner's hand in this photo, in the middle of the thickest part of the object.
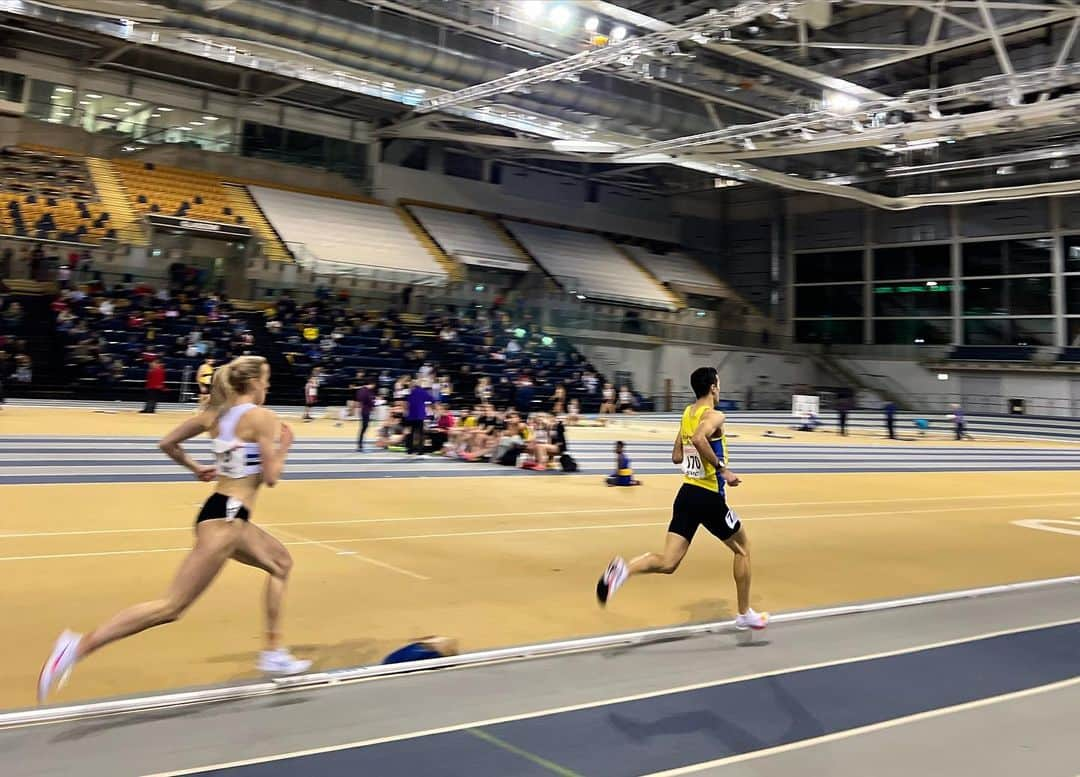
(205, 472)
(731, 478)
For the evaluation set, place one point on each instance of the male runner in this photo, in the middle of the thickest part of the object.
(701, 449)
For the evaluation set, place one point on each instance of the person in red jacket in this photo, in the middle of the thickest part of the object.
(155, 385)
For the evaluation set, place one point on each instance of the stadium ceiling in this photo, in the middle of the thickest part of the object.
(894, 103)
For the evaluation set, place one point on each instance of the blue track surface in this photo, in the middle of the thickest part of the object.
(48, 460)
(670, 730)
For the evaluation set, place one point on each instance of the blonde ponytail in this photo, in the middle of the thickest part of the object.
(232, 379)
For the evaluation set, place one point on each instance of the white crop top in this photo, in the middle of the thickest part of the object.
(235, 458)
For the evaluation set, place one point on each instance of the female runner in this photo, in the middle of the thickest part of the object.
(247, 455)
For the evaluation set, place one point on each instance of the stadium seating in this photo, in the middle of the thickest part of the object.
(680, 271)
(997, 353)
(49, 196)
(464, 233)
(346, 232)
(592, 264)
(172, 191)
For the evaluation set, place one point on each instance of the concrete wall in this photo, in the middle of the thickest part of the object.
(983, 391)
(769, 374)
(532, 195)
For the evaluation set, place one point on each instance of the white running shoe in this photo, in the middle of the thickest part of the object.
(281, 661)
(612, 579)
(752, 620)
(57, 667)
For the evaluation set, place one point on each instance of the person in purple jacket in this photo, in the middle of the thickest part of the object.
(365, 403)
(415, 415)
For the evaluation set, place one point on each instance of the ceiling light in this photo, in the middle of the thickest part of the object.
(155, 115)
(165, 110)
(618, 33)
(1005, 170)
(93, 96)
(1059, 164)
(388, 84)
(195, 123)
(64, 89)
(108, 116)
(931, 283)
(560, 15)
(584, 146)
(838, 102)
(184, 129)
(532, 9)
(132, 104)
(210, 118)
(418, 91)
(120, 109)
(592, 24)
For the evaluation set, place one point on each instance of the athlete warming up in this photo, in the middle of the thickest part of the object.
(248, 455)
(701, 449)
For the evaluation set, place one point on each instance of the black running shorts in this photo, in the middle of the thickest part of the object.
(696, 506)
(221, 506)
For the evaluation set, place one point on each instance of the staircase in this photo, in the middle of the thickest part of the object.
(243, 204)
(887, 392)
(115, 199)
(454, 271)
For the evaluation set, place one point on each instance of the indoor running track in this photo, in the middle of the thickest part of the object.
(976, 686)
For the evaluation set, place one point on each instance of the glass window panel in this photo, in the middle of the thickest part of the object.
(1009, 331)
(913, 331)
(913, 298)
(1072, 253)
(829, 266)
(1029, 257)
(1029, 296)
(986, 258)
(1072, 294)
(924, 261)
(836, 301)
(984, 298)
(1073, 334)
(12, 86)
(829, 331)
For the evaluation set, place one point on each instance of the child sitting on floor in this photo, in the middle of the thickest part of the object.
(624, 474)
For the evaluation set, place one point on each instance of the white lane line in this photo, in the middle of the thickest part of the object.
(548, 529)
(353, 554)
(533, 513)
(853, 732)
(617, 700)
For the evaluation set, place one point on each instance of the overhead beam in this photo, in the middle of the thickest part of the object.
(791, 70)
(948, 44)
(279, 91)
(111, 54)
(624, 53)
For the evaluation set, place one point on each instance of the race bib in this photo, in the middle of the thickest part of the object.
(230, 459)
(692, 466)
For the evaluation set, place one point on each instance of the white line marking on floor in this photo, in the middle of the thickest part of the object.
(852, 732)
(532, 513)
(354, 554)
(617, 700)
(1057, 525)
(548, 529)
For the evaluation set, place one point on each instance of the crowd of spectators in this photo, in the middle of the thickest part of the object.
(112, 336)
(464, 356)
(16, 363)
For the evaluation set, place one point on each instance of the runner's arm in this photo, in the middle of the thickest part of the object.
(170, 446)
(677, 450)
(710, 424)
(271, 452)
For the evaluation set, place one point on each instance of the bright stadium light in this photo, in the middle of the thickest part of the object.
(618, 33)
(838, 102)
(560, 15)
(532, 8)
(592, 24)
